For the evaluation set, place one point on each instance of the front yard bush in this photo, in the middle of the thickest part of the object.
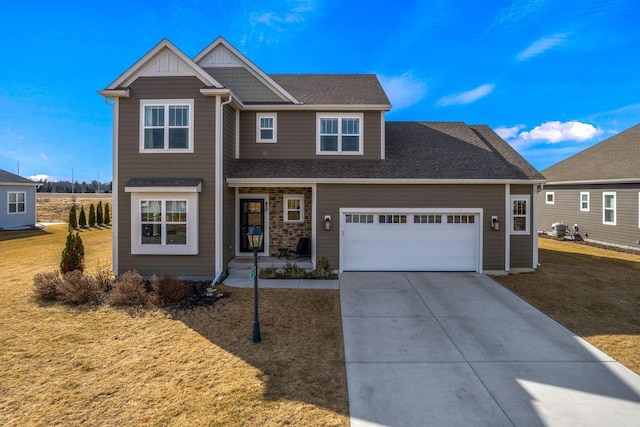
(72, 254)
(169, 290)
(128, 290)
(76, 289)
(46, 286)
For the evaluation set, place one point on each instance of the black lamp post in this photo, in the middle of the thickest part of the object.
(255, 237)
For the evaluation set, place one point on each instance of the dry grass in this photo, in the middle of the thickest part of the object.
(592, 291)
(108, 366)
(53, 207)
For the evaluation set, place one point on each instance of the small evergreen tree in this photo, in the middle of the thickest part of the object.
(107, 218)
(92, 216)
(73, 222)
(83, 218)
(72, 254)
(99, 217)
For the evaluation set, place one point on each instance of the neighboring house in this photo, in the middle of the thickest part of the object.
(17, 201)
(206, 147)
(599, 190)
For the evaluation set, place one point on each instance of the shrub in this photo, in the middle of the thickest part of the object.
(83, 218)
(322, 271)
(73, 222)
(46, 286)
(107, 218)
(128, 290)
(169, 290)
(269, 272)
(292, 271)
(72, 254)
(76, 289)
(92, 216)
(99, 217)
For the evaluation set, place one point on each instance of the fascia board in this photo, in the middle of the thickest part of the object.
(128, 76)
(253, 68)
(241, 182)
(189, 189)
(114, 93)
(597, 181)
(319, 107)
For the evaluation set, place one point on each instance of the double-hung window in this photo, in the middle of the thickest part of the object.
(166, 125)
(294, 208)
(266, 127)
(339, 134)
(584, 201)
(16, 202)
(520, 214)
(609, 208)
(550, 198)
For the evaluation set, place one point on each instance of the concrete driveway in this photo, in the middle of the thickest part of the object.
(457, 349)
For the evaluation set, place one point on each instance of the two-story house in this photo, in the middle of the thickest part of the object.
(205, 147)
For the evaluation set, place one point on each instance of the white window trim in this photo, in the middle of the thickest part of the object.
(166, 103)
(259, 138)
(288, 197)
(17, 212)
(582, 193)
(553, 198)
(604, 195)
(191, 248)
(340, 116)
(526, 198)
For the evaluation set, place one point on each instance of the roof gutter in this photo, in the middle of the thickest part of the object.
(597, 181)
(114, 93)
(319, 107)
(241, 182)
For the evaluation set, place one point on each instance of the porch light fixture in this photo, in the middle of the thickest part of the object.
(327, 222)
(255, 236)
(495, 223)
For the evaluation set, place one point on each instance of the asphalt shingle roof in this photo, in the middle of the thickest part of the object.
(341, 89)
(10, 178)
(615, 158)
(164, 182)
(414, 150)
(244, 85)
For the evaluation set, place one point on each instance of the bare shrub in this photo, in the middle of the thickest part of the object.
(105, 279)
(76, 289)
(169, 290)
(46, 286)
(128, 290)
(292, 271)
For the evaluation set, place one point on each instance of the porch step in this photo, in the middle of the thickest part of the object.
(246, 263)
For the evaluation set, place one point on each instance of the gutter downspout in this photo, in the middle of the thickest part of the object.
(219, 186)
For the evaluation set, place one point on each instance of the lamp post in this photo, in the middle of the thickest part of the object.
(255, 237)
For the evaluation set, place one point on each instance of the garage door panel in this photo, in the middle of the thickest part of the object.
(415, 245)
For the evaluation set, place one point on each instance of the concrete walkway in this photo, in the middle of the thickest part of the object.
(241, 279)
(457, 349)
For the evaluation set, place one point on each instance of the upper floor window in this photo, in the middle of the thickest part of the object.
(609, 208)
(266, 127)
(166, 125)
(584, 201)
(17, 202)
(550, 198)
(520, 214)
(339, 134)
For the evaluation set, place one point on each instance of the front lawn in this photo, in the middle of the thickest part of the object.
(592, 291)
(105, 366)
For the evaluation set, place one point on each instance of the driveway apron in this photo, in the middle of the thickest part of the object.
(458, 349)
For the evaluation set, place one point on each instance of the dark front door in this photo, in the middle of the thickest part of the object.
(251, 213)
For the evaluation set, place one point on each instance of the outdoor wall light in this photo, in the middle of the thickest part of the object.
(327, 222)
(495, 223)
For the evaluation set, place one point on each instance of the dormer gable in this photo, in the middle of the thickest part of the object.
(165, 59)
(221, 55)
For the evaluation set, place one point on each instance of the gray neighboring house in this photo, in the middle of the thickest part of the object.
(206, 147)
(17, 201)
(599, 190)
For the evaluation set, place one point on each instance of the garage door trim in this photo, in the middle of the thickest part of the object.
(419, 211)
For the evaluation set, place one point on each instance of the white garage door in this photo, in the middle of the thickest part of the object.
(430, 241)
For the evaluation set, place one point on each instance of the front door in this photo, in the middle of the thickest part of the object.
(251, 213)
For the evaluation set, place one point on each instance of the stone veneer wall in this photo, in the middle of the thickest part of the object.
(281, 234)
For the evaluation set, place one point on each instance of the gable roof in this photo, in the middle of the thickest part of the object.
(10, 178)
(614, 159)
(415, 151)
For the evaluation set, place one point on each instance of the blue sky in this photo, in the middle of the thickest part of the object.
(552, 77)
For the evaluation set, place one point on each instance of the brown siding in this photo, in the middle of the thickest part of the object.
(199, 164)
(566, 209)
(521, 246)
(330, 198)
(296, 136)
(228, 197)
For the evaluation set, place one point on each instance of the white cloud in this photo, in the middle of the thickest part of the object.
(467, 97)
(403, 90)
(509, 132)
(277, 22)
(44, 177)
(44, 157)
(542, 45)
(553, 132)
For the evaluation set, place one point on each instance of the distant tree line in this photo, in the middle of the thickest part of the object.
(77, 187)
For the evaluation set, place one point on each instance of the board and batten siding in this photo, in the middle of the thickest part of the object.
(296, 136)
(22, 219)
(566, 209)
(521, 245)
(199, 164)
(331, 197)
(229, 194)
